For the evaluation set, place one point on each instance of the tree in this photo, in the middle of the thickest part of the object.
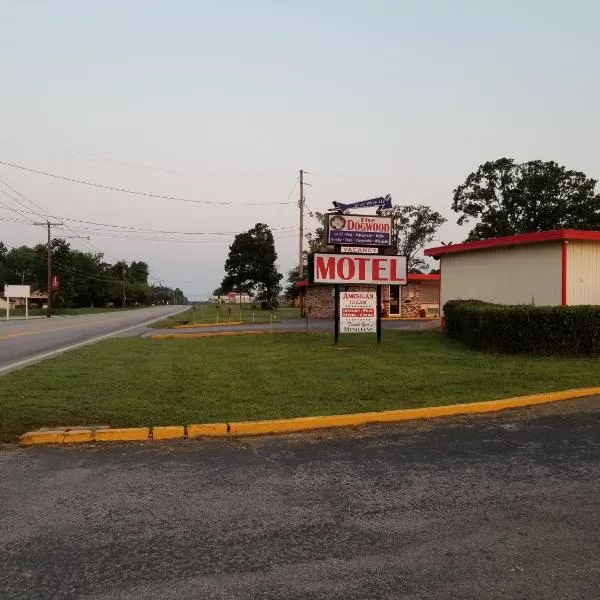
(139, 272)
(509, 198)
(291, 291)
(250, 266)
(413, 227)
(317, 239)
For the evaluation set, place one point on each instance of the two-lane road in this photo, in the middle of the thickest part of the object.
(24, 342)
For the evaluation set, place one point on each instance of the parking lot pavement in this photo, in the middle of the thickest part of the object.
(482, 507)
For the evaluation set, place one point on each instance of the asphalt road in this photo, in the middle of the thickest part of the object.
(485, 507)
(22, 341)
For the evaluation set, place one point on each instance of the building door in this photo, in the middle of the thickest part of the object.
(394, 299)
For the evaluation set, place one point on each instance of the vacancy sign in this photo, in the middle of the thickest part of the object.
(358, 269)
(358, 312)
(359, 250)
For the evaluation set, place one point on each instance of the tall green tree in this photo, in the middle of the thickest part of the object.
(413, 228)
(139, 272)
(291, 291)
(251, 266)
(507, 198)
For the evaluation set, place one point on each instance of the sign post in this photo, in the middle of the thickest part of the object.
(16, 291)
(358, 260)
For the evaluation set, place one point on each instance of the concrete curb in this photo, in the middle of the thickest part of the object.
(194, 325)
(191, 336)
(249, 428)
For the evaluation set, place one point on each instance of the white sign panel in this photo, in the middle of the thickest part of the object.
(358, 312)
(17, 291)
(359, 250)
(359, 269)
(359, 230)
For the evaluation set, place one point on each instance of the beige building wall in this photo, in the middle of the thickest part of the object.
(583, 272)
(507, 275)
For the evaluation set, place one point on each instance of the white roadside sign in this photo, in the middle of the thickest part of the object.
(358, 312)
(17, 291)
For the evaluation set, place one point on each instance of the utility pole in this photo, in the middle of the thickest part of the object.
(301, 228)
(48, 224)
(124, 265)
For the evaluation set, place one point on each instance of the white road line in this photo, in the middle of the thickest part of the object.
(38, 357)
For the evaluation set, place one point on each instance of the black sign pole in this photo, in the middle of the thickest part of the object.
(336, 307)
(378, 309)
(336, 311)
(378, 314)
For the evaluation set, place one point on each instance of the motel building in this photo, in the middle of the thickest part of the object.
(418, 298)
(546, 268)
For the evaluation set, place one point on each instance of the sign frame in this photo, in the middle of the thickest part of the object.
(361, 318)
(369, 230)
(358, 269)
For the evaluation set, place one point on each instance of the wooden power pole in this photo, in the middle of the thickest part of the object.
(49, 225)
(301, 228)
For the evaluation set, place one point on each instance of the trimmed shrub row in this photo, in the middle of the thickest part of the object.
(555, 330)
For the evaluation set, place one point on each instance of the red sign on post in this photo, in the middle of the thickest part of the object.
(55, 283)
(357, 269)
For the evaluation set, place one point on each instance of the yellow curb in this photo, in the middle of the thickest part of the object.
(78, 435)
(129, 434)
(345, 420)
(192, 326)
(42, 437)
(168, 432)
(302, 423)
(207, 430)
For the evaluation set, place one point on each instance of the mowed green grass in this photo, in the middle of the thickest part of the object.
(134, 382)
(224, 313)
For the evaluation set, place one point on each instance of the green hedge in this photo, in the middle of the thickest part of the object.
(555, 330)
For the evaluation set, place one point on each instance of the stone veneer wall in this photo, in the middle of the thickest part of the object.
(319, 298)
(410, 300)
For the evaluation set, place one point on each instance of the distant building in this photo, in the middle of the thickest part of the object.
(237, 298)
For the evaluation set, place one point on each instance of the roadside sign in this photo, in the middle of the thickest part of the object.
(358, 269)
(359, 230)
(381, 203)
(358, 312)
(17, 291)
(359, 250)
(55, 283)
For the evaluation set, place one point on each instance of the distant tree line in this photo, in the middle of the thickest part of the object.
(85, 278)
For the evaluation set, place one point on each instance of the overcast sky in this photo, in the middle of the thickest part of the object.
(224, 101)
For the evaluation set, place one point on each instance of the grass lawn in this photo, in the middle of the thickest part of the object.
(224, 313)
(134, 382)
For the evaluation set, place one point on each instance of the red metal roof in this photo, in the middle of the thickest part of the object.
(514, 240)
(411, 277)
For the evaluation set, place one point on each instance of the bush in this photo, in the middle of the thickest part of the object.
(555, 330)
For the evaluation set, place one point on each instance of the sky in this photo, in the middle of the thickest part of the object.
(223, 102)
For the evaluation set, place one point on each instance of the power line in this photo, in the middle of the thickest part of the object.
(133, 192)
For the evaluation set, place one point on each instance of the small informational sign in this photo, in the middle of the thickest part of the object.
(55, 283)
(359, 250)
(17, 291)
(358, 312)
(359, 230)
(353, 269)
